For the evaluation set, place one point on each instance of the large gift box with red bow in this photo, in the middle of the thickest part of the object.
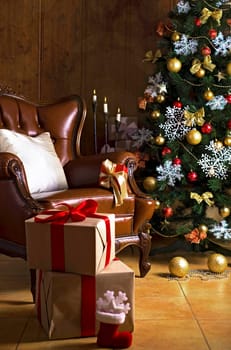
(66, 303)
(77, 240)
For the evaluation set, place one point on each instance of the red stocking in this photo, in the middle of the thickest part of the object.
(110, 337)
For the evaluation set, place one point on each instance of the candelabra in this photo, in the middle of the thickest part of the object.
(105, 111)
(94, 108)
(117, 126)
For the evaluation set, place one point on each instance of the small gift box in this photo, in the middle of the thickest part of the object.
(54, 243)
(66, 303)
(114, 176)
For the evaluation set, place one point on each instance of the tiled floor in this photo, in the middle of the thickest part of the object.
(170, 314)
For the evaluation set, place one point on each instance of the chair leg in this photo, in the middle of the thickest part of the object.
(33, 283)
(143, 242)
(145, 247)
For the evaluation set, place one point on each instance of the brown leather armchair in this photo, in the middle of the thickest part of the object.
(65, 120)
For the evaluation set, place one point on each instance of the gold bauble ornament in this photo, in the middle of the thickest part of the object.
(200, 73)
(224, 212)
(160, 98)
(174, 65)
(217, 263)
(228, 68)
(175, 36)
(155, 114)
(157, 204)
(203, 228)
(159, 140)
(194, 137)
(149, 183)
(227, 141)
(208, 95)
(218, 144)
(178, 266)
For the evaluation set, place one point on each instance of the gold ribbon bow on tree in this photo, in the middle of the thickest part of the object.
(206, 13)
(194, 118)
(149, 57)
(207, 64)
(114, 176)
(204, 197)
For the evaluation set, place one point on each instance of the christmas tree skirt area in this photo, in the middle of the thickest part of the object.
(162, 245)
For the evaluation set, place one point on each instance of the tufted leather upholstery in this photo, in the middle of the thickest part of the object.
(65, 120)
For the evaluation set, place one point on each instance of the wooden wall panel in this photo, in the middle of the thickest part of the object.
(52, 48)
(61, 48)
(19, 46)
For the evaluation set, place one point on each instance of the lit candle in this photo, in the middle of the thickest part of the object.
(105, 106)
(94, 98)
(118, 115)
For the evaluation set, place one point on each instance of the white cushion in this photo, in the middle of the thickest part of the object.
(43, 168)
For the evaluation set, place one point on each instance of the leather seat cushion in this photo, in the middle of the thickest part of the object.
(104, 198)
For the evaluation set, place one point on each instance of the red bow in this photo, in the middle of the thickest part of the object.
(79, 213)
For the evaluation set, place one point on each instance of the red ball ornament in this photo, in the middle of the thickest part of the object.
(212, 33)
(205, 51)
(229, 124)
(166, 150)
(192, 176)
(167, 212)
(228, 98)
(176, 161)
(177, 104)
(206, 128)
(197, 22)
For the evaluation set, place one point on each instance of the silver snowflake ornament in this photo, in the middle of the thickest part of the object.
(216, 162)
(169, 172)
(141, 136)
(183, 7)
(221, 230)
(174, 126)
(156, 85)
(222, 44)
(217, 103)
(185, 46)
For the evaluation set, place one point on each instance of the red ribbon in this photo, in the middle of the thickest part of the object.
(58, 218)
(88, 304)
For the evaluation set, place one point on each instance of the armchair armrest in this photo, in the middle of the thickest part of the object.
(84, 171)
(12, 169)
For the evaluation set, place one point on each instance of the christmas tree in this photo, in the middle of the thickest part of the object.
(187, 132)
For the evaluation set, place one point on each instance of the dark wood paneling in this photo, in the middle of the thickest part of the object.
(19, 45)
(52, 48)
(61, 48)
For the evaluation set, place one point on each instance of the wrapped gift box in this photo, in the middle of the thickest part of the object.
(66, 303)
(84, 247)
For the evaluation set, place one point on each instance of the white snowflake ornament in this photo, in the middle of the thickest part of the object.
(217, 103)
(221, 230)
(183, 6)
(185, 46)
(175, 126)
(169, 172)
(216, 162)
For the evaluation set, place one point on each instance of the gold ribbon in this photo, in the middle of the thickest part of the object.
(204, 197)
(206, 13)
(114, 176)
(194, 118)
(149, 57)
(207, 64)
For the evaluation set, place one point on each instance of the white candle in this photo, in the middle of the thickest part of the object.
(118, 115)
(105, 106)
(94, 98)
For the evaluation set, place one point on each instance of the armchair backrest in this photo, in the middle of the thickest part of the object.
(64, 119)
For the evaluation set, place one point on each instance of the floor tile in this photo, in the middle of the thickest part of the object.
(217, 333)
(168, 334)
